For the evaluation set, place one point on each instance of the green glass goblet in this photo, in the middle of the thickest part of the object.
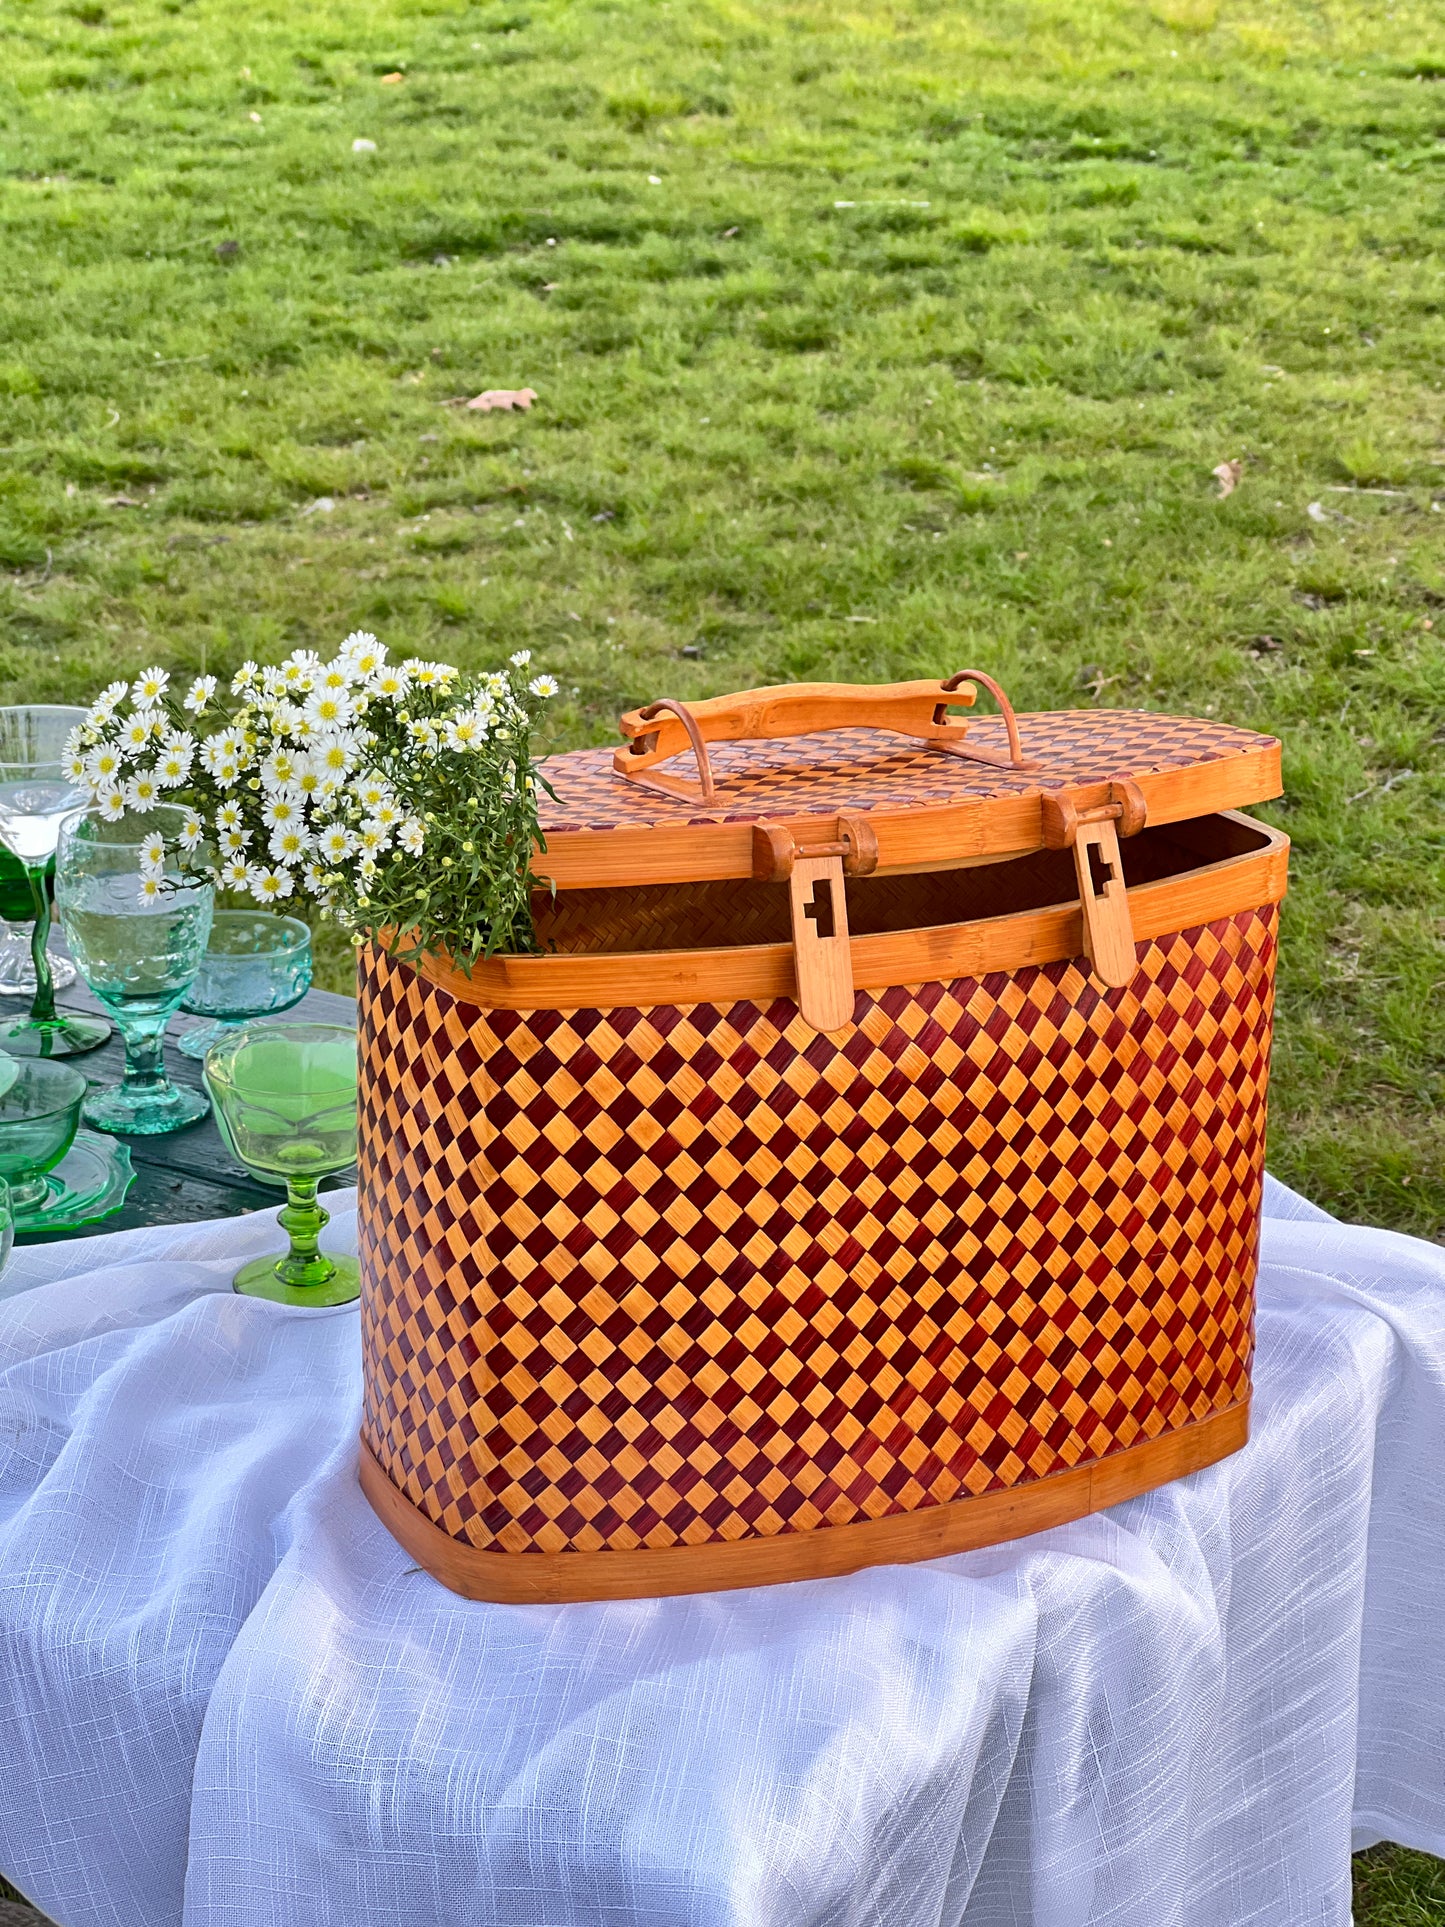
(286, 1103)
(35, 797)
(39, 1116)
(138, 951)
(257, 964)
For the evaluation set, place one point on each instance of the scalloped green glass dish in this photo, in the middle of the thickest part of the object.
(89, 1182)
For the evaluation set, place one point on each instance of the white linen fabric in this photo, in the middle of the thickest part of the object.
(229, 1699)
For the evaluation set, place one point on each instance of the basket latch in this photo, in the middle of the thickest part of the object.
(1092, 832)
(814, 871)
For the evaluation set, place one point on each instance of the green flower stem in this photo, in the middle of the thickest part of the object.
(42, 1011)
(303, 1220)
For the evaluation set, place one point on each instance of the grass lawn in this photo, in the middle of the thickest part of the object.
(870, 341)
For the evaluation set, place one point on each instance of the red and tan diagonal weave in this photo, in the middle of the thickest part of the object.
(691, 1275)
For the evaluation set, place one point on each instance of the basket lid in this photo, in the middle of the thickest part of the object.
(932, 787)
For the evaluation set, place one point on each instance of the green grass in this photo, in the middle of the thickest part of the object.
(918, 352)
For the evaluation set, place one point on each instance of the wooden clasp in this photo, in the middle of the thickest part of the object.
(1092, 832)
(818, 899)
(776, 849)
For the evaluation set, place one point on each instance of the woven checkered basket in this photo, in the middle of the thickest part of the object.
(672, 1283)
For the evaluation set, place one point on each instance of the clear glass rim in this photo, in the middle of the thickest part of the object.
(302, 942)
(92, 812)
(77, 717)
(223, 1053)
(45, 1069)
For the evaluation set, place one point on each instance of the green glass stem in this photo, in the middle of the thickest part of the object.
(303, 1219)
(42, 1011)
(145, 1070)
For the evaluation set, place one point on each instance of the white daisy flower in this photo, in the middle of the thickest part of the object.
(244, 677)
(521, 659)
(142, 792)
(308, 780)
(216, 750)
(336, 844)
(173, 767)
(138, 732)
(200, 693)
(149, 687)
(366, 869)
(433, 675)
(543, 685)
(372, 839)
(422, 731)
(386, 815)
(228, 816)
(390, 683)
(235, 874)
(150, 888)
(76, 766)
(268, 886)
(280, 809)
(462, 732)
(280, 769)
(111, 804)
(334, 755)
(234, 842)
(372, 789)
(298, 670)
(109, 700)
(361, 642)
(314, 877)
(329, 709)
(227, 774)
(153, 854)
(290, 844)
(192, 830)
(412, 836)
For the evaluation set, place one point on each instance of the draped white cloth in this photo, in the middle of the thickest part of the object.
(229, 1699)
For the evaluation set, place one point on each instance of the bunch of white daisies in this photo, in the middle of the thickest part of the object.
(335, 777)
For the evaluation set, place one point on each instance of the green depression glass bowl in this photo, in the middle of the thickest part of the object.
(39, 1116)
(285, 1097)
(256, 964)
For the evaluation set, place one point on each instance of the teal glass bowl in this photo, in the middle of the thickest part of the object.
(39, 1116)
(257, 964)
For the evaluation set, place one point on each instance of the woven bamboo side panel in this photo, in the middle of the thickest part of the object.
(641, 1279)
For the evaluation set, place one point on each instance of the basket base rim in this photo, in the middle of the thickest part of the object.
(825, 1552)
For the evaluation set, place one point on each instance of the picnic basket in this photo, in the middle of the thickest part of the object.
(867, 1167)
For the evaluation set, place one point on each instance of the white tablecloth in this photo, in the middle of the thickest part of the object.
(228, 1699)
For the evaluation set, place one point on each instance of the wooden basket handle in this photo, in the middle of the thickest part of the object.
(919, 709)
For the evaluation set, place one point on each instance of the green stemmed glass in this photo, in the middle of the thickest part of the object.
(35, 798)
(137, 951)
(256, 965)
(39, 1117)
(286, 1104)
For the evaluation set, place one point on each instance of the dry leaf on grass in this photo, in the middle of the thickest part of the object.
(1227, 475)
(392, 80)
(491, 398)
